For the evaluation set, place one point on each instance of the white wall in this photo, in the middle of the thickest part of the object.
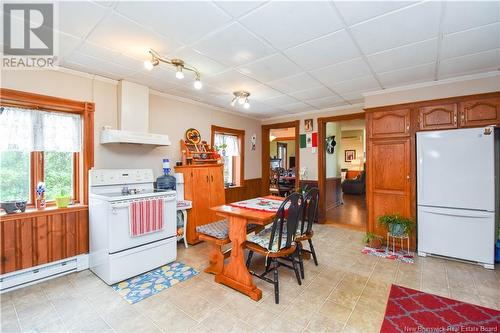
(167, 116)
(351, 144)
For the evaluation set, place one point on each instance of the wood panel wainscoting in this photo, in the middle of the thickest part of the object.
(38, 237)
(251, 189)
(332, 196)
(391, 160)
(42, 236)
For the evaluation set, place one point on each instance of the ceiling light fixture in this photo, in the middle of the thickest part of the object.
(180, 67)
(242, 98)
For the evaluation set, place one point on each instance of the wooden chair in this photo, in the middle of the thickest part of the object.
(216, 234)
(305, 232)
(278, 242)
(274, 181)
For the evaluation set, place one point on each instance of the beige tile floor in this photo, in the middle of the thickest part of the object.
(347, 292)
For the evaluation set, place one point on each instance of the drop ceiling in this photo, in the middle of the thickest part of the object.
(291, 56)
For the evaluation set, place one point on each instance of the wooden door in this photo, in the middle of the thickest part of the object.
(480, 112)
(389, 180)
(389, 124)
(438, 117)
(201, 198)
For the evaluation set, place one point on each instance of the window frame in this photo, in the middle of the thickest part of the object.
(238, 161)
(83, 160)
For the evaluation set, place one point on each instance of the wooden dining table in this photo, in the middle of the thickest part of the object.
(235, 273)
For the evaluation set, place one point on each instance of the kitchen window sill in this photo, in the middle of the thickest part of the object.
(33, 212)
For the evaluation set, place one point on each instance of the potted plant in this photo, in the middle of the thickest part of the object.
(396, 224)
(221, 149)
(372, 240)
(62, 200)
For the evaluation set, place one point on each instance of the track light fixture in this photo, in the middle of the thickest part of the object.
(242, 98)
(180, 67)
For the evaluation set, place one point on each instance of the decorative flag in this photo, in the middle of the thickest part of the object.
(309, 140)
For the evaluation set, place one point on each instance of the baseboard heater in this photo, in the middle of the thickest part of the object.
(32, 275)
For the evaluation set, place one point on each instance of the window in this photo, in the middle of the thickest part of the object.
(230, 144)
(38, 146)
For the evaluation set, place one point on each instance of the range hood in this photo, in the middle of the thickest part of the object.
(133, 118)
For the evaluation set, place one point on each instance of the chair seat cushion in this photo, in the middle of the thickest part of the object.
(262, 239)
(219, 229)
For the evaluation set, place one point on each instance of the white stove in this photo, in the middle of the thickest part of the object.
(114, 254)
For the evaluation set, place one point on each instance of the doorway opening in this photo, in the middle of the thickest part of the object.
(280, 158)
(341, 171)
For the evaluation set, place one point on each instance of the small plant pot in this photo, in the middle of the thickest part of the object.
(40, 203)
(375, 243)
(396, 229)
(62, 202)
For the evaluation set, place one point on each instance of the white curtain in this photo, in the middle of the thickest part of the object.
(33, 130)
(231, 141)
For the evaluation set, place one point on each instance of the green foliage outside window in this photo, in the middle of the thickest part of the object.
(58, 170)
(14, 175)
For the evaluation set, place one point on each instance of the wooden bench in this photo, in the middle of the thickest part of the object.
(216, 235)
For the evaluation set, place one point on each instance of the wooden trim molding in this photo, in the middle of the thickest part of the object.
(322, 158)
(265, 152)
(14, 98)
(239, 163)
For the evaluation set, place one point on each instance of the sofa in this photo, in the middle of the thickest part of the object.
(356, 185)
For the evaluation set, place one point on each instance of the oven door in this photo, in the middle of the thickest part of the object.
(119, 225)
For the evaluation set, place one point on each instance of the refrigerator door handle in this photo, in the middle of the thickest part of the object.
(458, 213)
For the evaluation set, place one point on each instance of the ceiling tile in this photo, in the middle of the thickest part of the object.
(286, 24)
(185, 21)
(270, 68)
(238, 8)
(406, 26)
(404, 76)
(462, 15)
(78, 18)
(233, 46)
(98, 66)
(113, 56)
(312, 93)
(280, 100)
(471, 41)
(205, 65)
(67, 44)
(326, 102)
(366, 83)
(354, 97)
(111, 31)
(297, 107)
(484, 61)
(230, 81)
(357, 11)
(327, 50)
(342, 72)
(404, 56)
(294, 83)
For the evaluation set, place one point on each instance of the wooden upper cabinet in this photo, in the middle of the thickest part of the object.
(438, 117)
(389, 124)
(480, 112)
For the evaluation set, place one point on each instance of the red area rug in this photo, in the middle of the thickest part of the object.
(411, 310)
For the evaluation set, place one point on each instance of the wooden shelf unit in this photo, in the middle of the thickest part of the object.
(194, 153)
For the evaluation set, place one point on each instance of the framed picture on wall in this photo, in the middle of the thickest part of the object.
(308, 125)
(349, 155)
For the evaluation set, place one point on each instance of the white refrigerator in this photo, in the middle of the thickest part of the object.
(457, 193)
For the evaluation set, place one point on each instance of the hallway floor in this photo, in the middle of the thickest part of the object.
(352, 214)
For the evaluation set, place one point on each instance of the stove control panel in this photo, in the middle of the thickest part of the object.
(102, 177)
